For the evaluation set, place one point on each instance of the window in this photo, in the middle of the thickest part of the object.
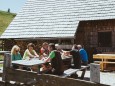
(104, 39)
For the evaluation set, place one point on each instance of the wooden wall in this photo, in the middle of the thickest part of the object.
(87, 33)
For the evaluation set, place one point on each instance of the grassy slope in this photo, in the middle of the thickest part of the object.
(5, 20)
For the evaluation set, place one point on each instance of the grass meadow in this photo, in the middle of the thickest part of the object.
(5, 20)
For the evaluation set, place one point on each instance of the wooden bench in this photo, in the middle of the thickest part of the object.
(97, 62)
(105, 60)
(109, 62)
(71, 71)
(103, 65)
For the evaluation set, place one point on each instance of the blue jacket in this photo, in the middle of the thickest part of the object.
(83, 54)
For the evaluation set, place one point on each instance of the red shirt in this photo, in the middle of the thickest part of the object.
(42, 50)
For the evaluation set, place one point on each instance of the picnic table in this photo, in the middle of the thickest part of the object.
(8, 69)
(36, 62)
(105, 59)
(29, 63)
(67, 61)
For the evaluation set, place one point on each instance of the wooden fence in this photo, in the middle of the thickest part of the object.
(31, 78)
(35, 79)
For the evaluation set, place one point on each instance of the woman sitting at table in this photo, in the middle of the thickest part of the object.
(30, 52)
(56, 60)
(15, 55)
(43, 55)
(44, 49)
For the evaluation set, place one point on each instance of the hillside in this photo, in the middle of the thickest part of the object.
(5, 20)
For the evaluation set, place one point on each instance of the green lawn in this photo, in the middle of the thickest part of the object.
(5, 20)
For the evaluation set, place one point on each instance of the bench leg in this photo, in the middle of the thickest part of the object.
(102, 66)
(83, 73)
(75, 76)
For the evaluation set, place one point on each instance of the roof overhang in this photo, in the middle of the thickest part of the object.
(41, 38)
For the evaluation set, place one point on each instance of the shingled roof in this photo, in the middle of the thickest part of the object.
(57, 18)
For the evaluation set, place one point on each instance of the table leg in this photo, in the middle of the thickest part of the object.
(102, 65)
(38, 69)
(105, 65)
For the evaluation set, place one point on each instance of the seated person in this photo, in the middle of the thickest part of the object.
(30, 52)
(83, 55)
(44, 50)
(15, 55)
(44, 54)
(56, 60)
(76, 57)
(58, 48)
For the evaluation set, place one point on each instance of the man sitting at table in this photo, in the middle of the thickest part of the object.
(56, 60)
(58, 48)
(76, 57)
(83, 55)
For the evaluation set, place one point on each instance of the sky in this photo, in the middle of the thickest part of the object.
(14, 5)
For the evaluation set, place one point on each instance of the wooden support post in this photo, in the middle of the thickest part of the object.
(83, 73)
(95, 72)
(6, 64)
(72, 41)
(59, 41)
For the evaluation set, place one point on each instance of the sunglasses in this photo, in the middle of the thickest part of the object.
(16, 50)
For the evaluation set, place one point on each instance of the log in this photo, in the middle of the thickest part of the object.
(6, 64)
(95, 72)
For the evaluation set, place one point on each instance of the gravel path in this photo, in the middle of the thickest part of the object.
(105, 77)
